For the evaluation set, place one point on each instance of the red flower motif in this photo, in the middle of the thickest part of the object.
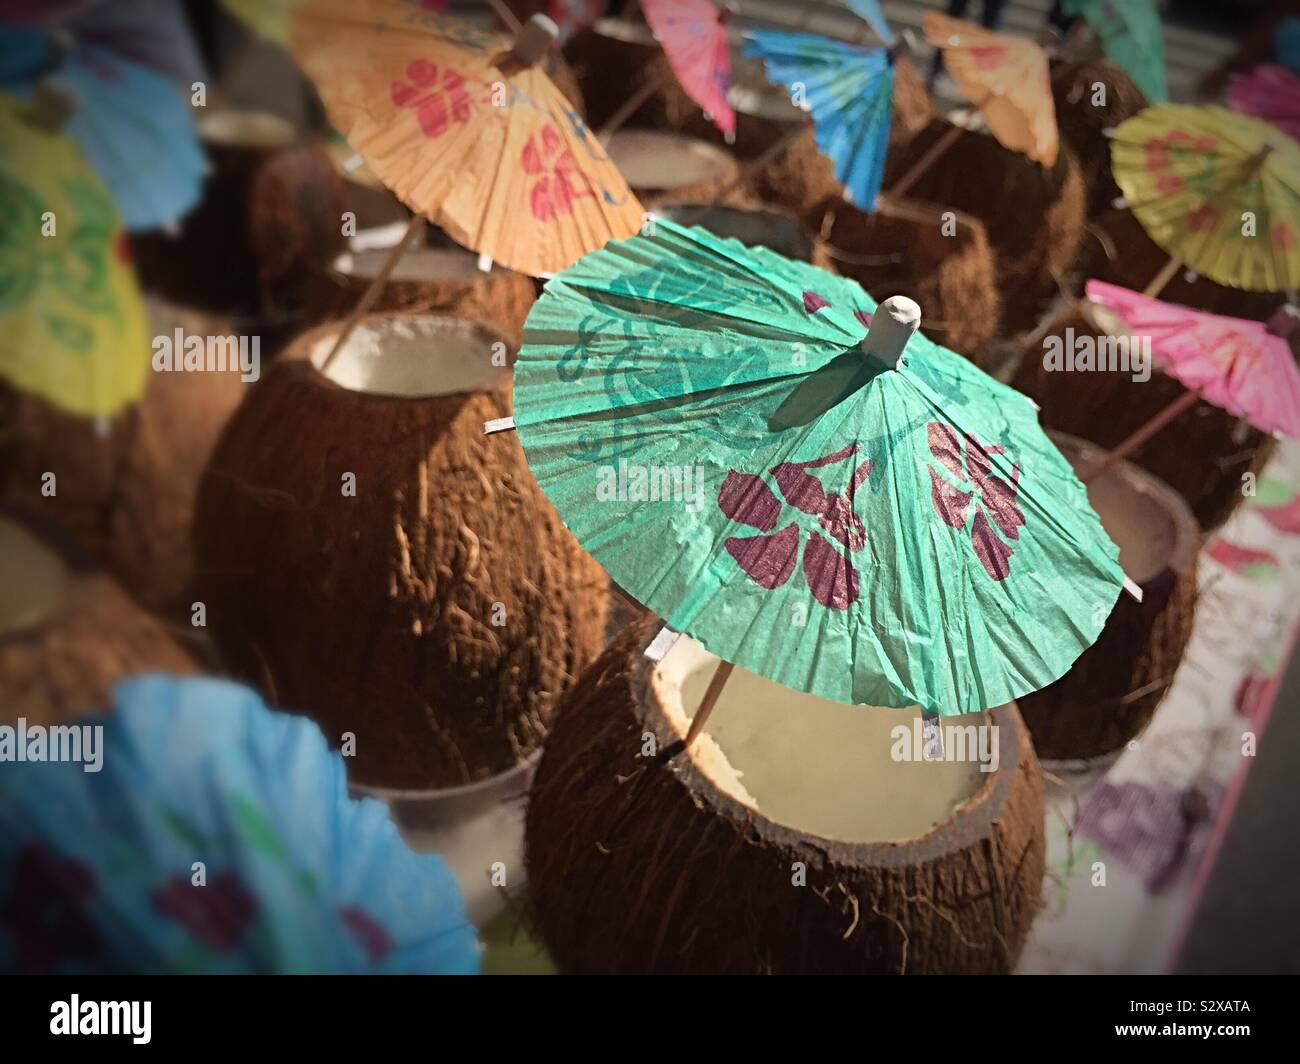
(769, 560)
(217, 915)
(996, 507)
(439, 98)
(812, 302)
(1203, 218)
(988, 56)
(1283, 236)
(1169, 184)
(557, 170)
(45, 915)
(369, 932)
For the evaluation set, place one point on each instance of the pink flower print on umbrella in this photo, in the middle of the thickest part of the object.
(769, 560)
(438, 97)
(996, 509)
(557, 172)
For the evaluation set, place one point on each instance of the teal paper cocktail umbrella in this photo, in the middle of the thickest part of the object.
(1129, 31)
(803, 484)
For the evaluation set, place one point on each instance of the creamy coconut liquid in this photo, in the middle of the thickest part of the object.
(1140, 526)
(417, 265)
(810, 764)
(245, 129)
(412, 358)
(662, 160)
(32, 578)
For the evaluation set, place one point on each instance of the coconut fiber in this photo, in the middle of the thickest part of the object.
(641, 864)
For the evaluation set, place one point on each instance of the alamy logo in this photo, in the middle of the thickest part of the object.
(102, 1017)
(179, 353)
(636, 483)
(78, 743)
(974, 743)
(1073, 353)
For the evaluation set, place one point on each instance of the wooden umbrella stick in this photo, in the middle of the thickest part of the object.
(918, 169)
(629, 107)
(507, 16)
(367, 300)
(710, 699)
(1142, 434)
(1161, 280)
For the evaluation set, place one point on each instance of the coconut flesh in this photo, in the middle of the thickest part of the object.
(411, 358)
(250, 130)
(809, 764)
(665, 161)
(418, 266)
(32, 577)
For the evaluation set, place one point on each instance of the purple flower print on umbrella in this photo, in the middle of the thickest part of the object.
(995, 498)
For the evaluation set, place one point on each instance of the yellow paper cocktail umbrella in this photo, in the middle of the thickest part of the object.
(1218, 191)
(466, 129)
(73, 328)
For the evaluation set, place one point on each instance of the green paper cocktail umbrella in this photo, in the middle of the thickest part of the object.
(873, 521)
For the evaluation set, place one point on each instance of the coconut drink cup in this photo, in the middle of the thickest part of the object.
(1204, 456)
(368, 557)
(124, 487)
(1033, 214)
(797, 835)
(67, 633)
(442, 280)
(904, 247)
(1111, 693)
(658, 164)
(754, 224)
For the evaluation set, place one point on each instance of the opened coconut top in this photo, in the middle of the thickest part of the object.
(755, 228)
(32, 578)
(229, 128)
(1151, 525)
(770, 103)
(416, 266)
(649, 159)
(812, 765)
(410, 356)
(621, 29)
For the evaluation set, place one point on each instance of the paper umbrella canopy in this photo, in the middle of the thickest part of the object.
(872, 529)
(214, 837)
(849, 89)
(501, 161)
(694, 40)
(73, 328)
(1218, 191)
(135, 128)
(1238, 365)
(1270, 92)
(1130, 33)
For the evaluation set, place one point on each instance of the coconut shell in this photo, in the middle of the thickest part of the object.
(295, 223)
(902, 250)
(1033, 215)
(1111, 693)
(616, 58)
(660, 165)
(206, 264)
(756, 224)
(375, 614)
(454, 287)
(68, 660)
(1117, 249)
(1083, 124)
(639, 865)
(126, 499)
(1202, 455)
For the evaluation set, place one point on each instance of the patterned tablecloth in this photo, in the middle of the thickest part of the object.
(1131, 843)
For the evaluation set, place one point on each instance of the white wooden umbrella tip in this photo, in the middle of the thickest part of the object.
(892, 326)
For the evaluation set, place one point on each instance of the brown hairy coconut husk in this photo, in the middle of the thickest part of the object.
(204, 265)
(754, 224)
(295, 223)
(442, 280)
(1202, 454)
(125, 488)
(645, 858)
(364, 194)
(614, 59)
(1082, 124)
(1034, 215)
(1111, 693)
(657, 164)
(901, 249)
(1117, 249)
(68, 634)
(440, 612)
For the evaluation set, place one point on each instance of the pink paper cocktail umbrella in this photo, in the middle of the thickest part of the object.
(1270, 92)
(694, 40)
(1244, 367)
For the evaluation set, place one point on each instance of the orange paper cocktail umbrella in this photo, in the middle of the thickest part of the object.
(466, 129)
(1007, 78)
